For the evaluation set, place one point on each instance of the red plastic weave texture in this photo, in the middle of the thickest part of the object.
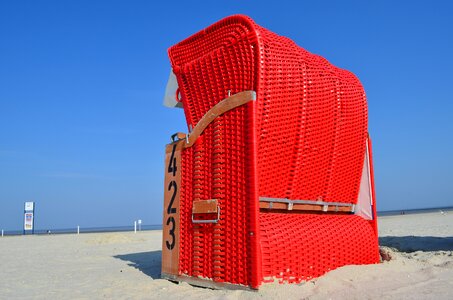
(304, 138)
(311, 116)
(297, 247)
(219, 166)
(217, 251)
(312, 122)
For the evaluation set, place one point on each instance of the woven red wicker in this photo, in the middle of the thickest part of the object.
(304, 138)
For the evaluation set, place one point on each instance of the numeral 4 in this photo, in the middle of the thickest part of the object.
(172, 163)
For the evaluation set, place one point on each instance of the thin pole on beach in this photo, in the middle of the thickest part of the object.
(78, 229)
(135, 226)
(2, 232)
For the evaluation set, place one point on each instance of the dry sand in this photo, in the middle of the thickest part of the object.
(127, 266)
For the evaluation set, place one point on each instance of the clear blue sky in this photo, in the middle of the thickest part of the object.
(83, 129)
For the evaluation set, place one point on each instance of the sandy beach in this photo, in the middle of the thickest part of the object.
(127, 266)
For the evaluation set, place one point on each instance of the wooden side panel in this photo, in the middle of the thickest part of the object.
(171, 220)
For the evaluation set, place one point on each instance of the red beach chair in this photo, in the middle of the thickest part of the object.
(274, 180)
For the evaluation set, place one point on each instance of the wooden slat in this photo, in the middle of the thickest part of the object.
(217, 110)
(205, 206)
(307, 207)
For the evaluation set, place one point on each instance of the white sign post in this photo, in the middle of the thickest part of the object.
(29, 206)
(29, 217)
(28, 221)
(139, 225)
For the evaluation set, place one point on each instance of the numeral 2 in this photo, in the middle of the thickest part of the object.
(170, 209)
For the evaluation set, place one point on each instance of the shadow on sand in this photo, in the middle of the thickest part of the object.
(147, 262)
(417, 243)
(150, 262)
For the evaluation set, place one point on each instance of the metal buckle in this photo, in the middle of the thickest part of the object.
(178, 136)
(214, 221)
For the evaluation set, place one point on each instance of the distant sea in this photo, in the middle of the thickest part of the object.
(159, 227)
(84, 230)
(415, 211)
